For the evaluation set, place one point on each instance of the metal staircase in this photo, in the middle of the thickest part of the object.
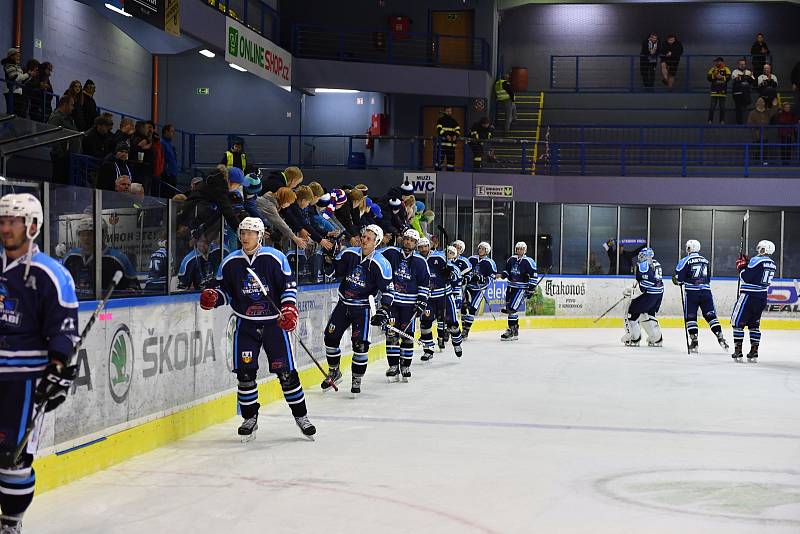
(527, 127)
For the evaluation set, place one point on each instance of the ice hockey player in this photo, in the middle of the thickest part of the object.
(442, 303)
(364, 272)
(199, 267)
(411, 291)
(38, 328)
(643, 308)
(483, 272)
(464, 267)
(260, 323)
(755, 275)
(522, 279)
(692, 274)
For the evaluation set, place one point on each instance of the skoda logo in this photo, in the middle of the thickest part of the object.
(120, 364)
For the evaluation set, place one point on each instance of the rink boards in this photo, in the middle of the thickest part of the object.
(156, 369)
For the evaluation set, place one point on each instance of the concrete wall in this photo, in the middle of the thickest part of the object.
(530, 34)
(6, 27)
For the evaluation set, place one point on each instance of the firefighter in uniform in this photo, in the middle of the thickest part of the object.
(448, 130)
(479, 134)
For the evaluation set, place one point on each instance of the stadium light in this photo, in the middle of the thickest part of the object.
(325, 90)
(237, 67)
(116, 9)
(207, 53)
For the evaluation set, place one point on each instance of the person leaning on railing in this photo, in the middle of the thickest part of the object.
(648, 60)
(98, 142)
(290, 177)
(59, 152)
(670, 53)
(269, 206)
(205, 203)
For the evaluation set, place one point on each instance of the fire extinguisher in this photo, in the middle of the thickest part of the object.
(370, 143)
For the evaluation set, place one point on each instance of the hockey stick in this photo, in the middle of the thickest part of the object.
(402, 334)
(40, 404)
(685, 331)
(741, 249)
(613, 306)
(299, 340)
(486, 298)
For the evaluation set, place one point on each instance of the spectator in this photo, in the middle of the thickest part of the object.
(137, 190)
(142, 155)
(718, 76)
(743, 81)
(97, 143)
(760, 53)
(207, 202)
(122, 184)
(670, 54)
(15, 77)
(504, 92)
(768, 86)
(317, 190)
(90, 112)
(297, 214)
(648, 60)
(59, 152)
(480, 133)
(113, 167)
(236, 182)
(235, 157)
(787, 132)
(269, 205)
(125, 132)
(76, 92)
(350, 213)
(795, 78)
(30, 88)
(290, 177)
(42, 95)
(448, 131)
(158, 162)
(170, 174)
(758, 118)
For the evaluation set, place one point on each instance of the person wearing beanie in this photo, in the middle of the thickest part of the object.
(114, 165)
(290, 177)
(99, 142)
(407, 190)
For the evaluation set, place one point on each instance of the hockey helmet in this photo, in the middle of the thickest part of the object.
(375, 229)
(413, 234)
(452, 253)
(521, 244)
(646, 255)
(29, 208)
(253, 224)
(485, 246)
(765, 247)
(693, 245)
(460, 246)
(423, 242)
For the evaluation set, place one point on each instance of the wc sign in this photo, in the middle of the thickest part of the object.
(422, 182)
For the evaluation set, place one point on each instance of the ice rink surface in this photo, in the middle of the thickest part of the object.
(562, 431)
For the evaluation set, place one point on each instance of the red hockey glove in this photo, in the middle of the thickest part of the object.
(741, 262)
(208, 299)
(288, 319)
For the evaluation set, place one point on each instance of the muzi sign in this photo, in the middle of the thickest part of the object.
(257, 54)
(422, 182)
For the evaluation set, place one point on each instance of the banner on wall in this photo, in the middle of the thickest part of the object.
(422, 182)
(257, 54)
(163, 14)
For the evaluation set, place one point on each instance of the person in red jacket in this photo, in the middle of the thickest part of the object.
(787, 132)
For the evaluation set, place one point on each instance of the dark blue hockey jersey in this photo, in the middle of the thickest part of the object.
(157, 271)
(464, 267)
(757, 276)
(412, 278)
(692, 272)
(649, 277)
(39, 315)
(521, 272)
(483, 271)
(82, 270)
(240, 289)
(197, 271)
(444, 275)
(363, 276)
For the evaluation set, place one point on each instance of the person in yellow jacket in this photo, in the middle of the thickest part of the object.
(448, 130)
(718, 76)
(235, 157)
(504, 92)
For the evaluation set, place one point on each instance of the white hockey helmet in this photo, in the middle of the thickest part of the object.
(693, 245)
(646, 254)
(521, 244)
(254, 224)
(460, 246)
(485, 246)
(26, 206)
(375, 229)
(765, 247)
(411, 233)
(423, 242)
(452, 253)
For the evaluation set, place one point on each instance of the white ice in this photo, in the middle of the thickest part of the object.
(563, 431)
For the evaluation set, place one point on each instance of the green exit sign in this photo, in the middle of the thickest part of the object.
(203, 91)
(452, 16)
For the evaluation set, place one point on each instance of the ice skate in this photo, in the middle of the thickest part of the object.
(405, 371)
(393, 373)
(441, 343)
(458, 350)
(335, 376)
(737, 351)
(427, 355)
(306, 427)
(693, 344)
(631, 342)
(11, 525)
(659, 343)
(511, 334)
(465, 333)
(752, 356)
(355, 388)
(247, 430)
(722, 342)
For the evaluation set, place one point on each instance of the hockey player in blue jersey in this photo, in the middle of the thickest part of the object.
(483, 272)
(464, 268)
(411, 291)
(38, 331)
(157, 269)
(442, 303)
(522, 279)
(199, 267)
(693, 274)
(365, 273)
(643, 308)
(259, 323)
(755, 276)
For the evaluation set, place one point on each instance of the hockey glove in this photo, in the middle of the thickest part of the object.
(208, 299)
(627, 292)
(419, 308)
(288, 318)
(52, 388)
(380, 319)
(741, 262)
(676, 281)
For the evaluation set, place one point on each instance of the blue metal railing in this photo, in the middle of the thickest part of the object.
(666, 133)
(622, 73)
(255, 14)
(385, 46)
